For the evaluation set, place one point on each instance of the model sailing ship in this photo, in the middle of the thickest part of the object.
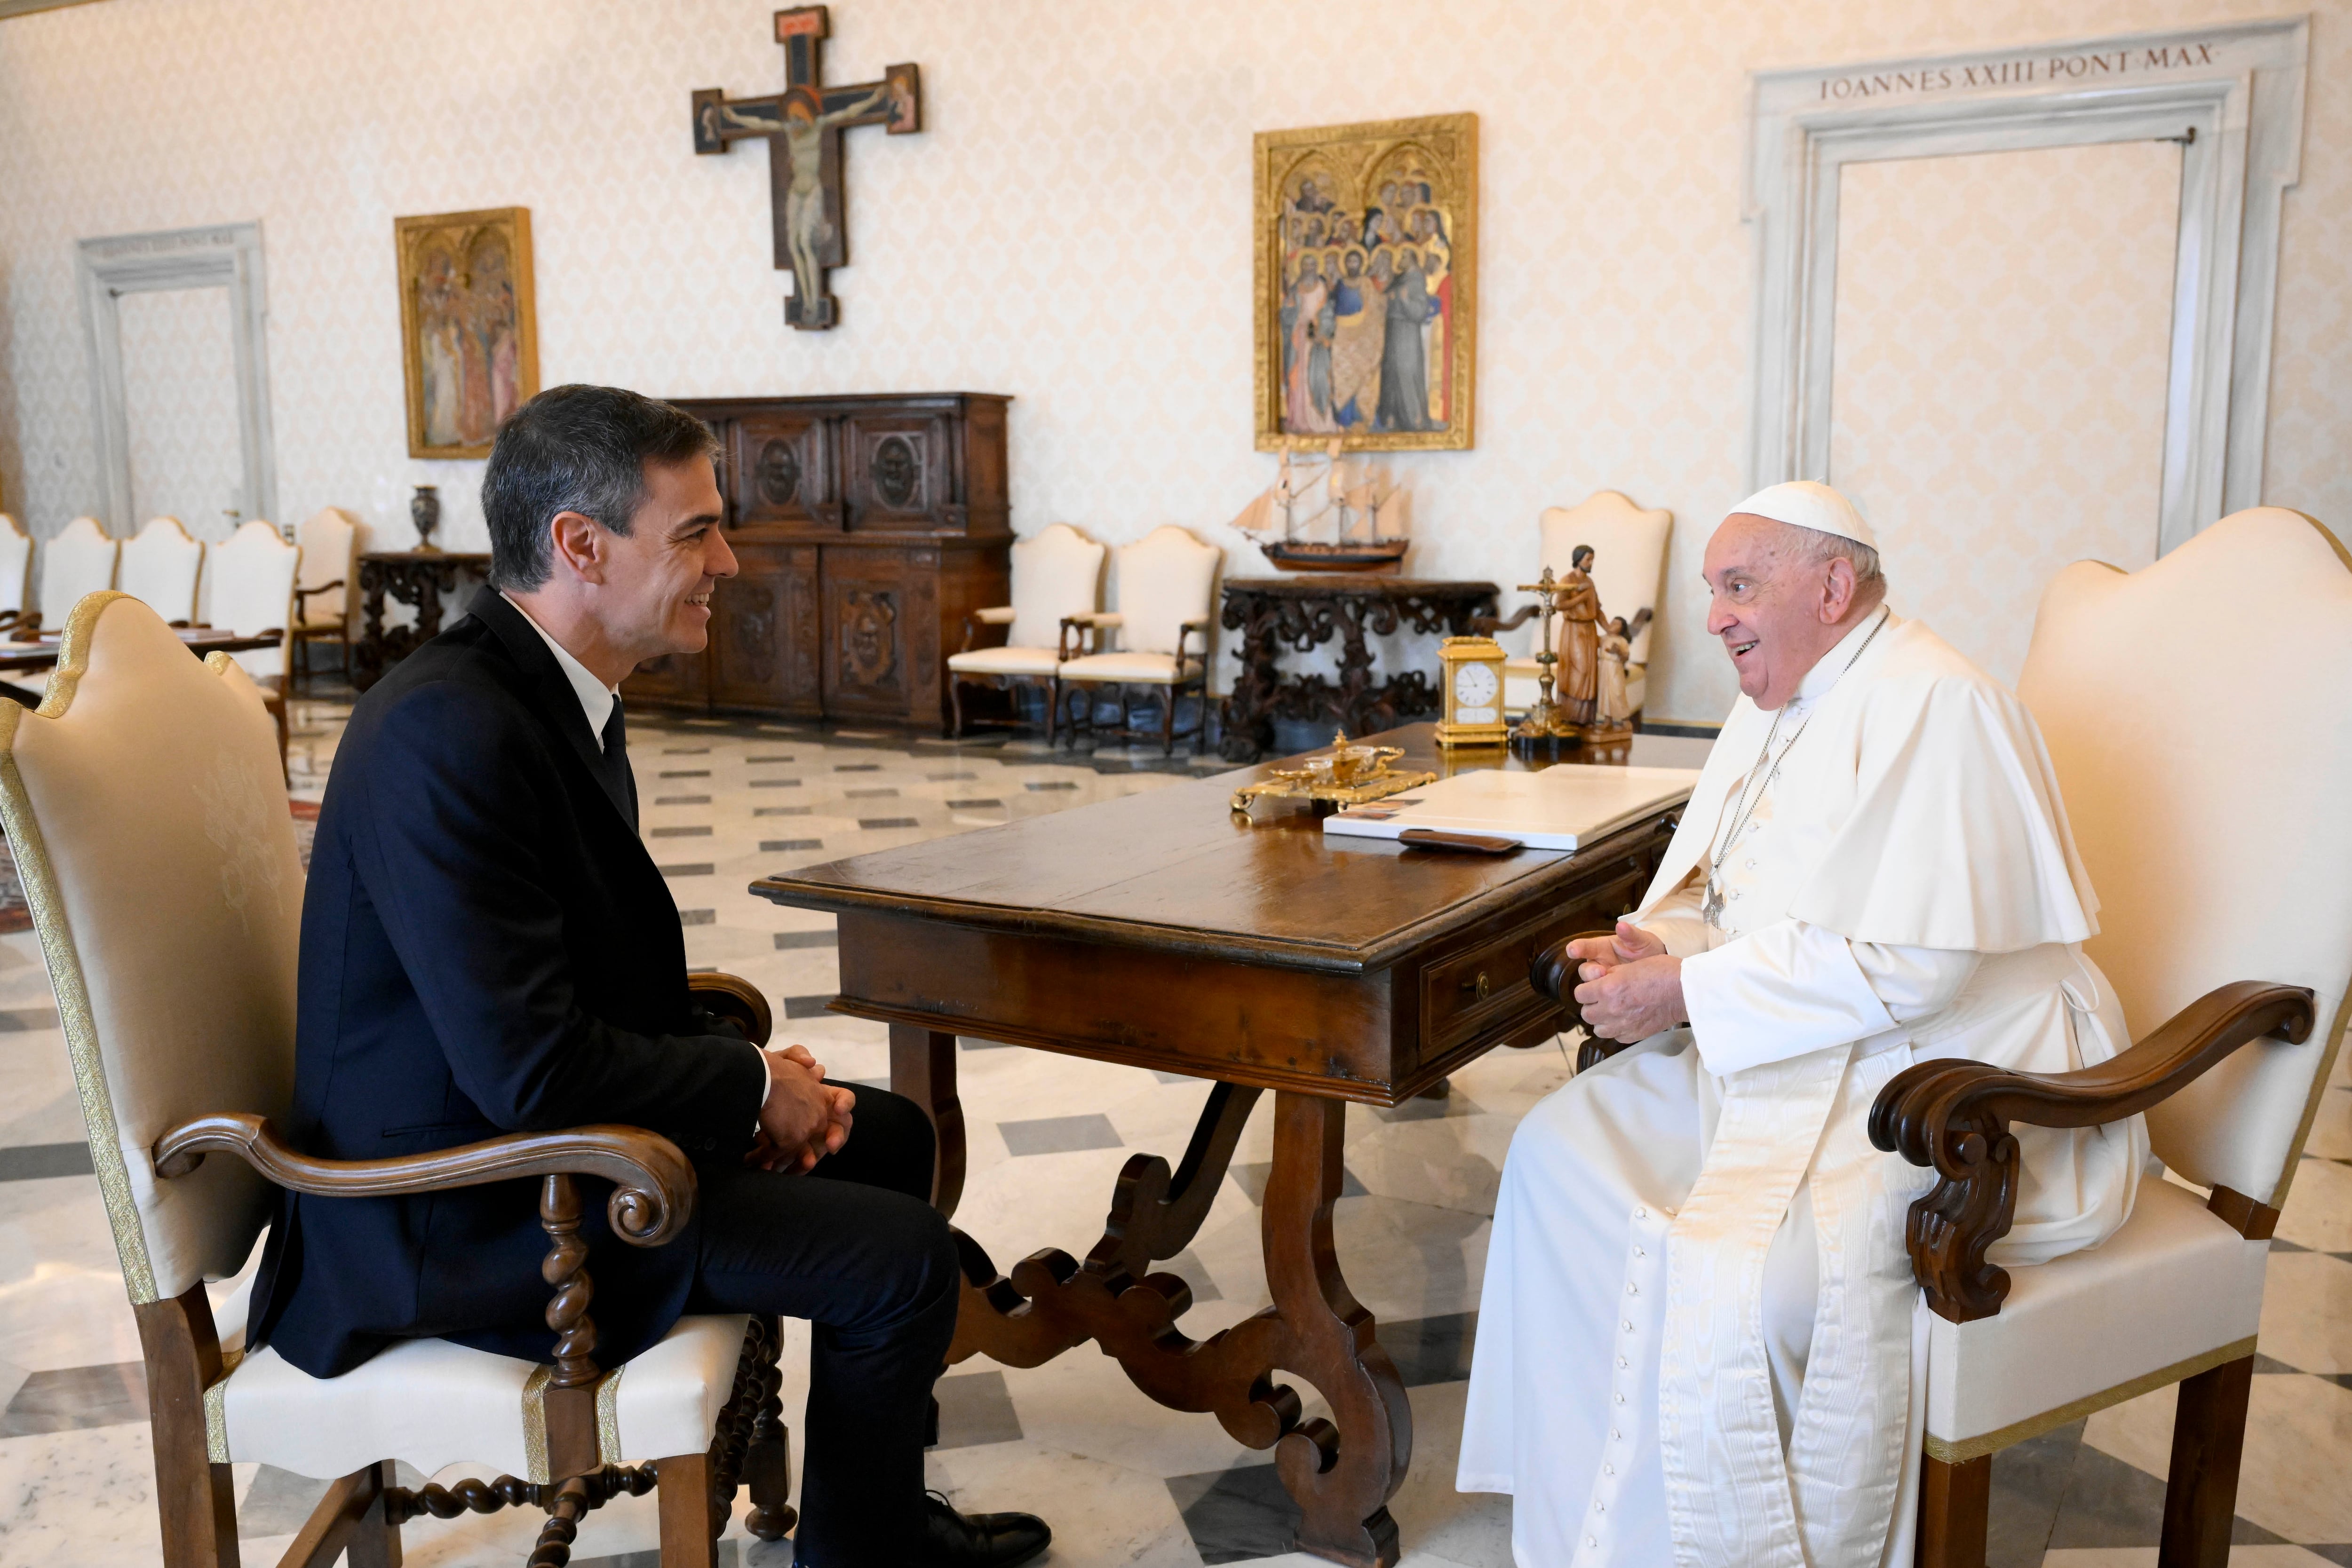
(1364, 504)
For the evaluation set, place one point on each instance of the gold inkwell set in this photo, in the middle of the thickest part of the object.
(1349, 774)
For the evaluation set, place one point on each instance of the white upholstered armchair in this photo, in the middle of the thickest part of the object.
(1167, 596)
(1629, 564)
(1056, 576)
(2226, 929)
(325, 591)
(80, 560)
(160, 565)
(15, 571)
(152, 834)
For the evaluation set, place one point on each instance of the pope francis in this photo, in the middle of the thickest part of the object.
(1700, 1341)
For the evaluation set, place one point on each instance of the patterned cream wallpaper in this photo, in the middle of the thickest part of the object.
(1072, 228)
(2020, 424)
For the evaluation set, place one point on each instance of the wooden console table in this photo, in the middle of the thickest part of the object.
(1160, 931)
(423, 577)
(1306, 610)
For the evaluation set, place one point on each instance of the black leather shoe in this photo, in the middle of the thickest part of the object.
(952, 1539)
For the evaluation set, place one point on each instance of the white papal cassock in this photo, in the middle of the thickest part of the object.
(1697, 1341)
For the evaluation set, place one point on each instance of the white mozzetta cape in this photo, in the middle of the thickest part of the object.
(1918, 810)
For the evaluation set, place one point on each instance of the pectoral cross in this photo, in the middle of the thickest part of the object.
(803, 125)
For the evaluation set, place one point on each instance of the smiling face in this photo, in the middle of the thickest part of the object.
(655, 599)
(1777, 609)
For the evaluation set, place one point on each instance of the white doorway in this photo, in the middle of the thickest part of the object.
(2003, 329)
(179, 395)
(179, 368)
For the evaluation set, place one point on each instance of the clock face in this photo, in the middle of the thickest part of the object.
(1475, 687)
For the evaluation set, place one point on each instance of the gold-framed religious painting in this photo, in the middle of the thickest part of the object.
(468, 327)
(1365, 253)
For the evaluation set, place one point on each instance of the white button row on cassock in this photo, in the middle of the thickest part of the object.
(1645, 1256)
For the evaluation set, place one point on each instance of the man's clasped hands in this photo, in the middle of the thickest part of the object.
(803, 1118)
(1632, 986)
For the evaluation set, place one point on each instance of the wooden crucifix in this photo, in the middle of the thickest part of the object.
(803, 125)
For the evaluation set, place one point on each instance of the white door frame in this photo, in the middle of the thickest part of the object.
(221, 256)
(2238, 86)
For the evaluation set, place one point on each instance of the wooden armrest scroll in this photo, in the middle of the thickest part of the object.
(732, 996)
(1955, 1116)
(1553, 974)
(653, 1184)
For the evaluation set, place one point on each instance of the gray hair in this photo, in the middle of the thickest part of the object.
(1816, 548)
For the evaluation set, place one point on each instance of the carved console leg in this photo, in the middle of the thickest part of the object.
(923, 1068)
(1342, 1471)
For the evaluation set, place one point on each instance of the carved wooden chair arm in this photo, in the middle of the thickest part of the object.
(1955, 1116)
(1075, 630)
(653, 1182)
(1552, 973)
(996, 615)
(732, 996)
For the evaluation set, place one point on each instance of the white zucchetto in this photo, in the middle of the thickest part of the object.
(1809, 503)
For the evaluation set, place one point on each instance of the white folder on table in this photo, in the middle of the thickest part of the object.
(1559, 808)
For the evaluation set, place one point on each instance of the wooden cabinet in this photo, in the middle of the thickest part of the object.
(865, 527)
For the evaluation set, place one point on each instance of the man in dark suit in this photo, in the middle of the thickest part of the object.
(487, 947)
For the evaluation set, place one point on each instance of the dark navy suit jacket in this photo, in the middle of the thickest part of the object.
(487, 949)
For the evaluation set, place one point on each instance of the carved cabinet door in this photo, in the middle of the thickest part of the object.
(765, 632)
(898, 471)
(881, 633)
(780, 469)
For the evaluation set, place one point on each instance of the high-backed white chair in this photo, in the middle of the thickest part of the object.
(15, 571)
(80, 560)
(253, 576)
(324, 596)
(2226, 929)
(1056, 576)
(158, 854)
(1629, 566)
(1166, 594)
(161, 566)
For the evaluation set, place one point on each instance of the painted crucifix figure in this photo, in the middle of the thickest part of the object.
(802, 126)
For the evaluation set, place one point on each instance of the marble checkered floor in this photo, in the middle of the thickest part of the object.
(1122, 1480)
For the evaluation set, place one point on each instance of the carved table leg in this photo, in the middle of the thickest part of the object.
(923, 1068)
(1247, 722)
(1343, 1471)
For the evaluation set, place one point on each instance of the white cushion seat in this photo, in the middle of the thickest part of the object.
(1156, 669)
(2173, 1292)
(1006, 661)
(434, 1404)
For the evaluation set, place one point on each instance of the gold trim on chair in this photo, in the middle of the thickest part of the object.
(40, 883)
(1977, 1447)
(608, 1416)
(534, 1422)
(217, 1407)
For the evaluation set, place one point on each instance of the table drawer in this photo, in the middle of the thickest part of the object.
(1483, 987)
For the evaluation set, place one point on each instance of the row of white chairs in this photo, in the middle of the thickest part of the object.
(252, 583)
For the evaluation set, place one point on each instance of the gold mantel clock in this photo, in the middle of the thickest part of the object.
(1470, 694)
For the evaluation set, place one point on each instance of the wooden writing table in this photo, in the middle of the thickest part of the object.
(1161, 932)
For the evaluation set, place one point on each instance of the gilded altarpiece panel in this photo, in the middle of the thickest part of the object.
(1364, 271)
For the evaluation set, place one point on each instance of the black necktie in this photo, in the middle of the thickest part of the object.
(616, 761)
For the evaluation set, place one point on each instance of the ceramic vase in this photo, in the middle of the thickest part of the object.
(425, 511)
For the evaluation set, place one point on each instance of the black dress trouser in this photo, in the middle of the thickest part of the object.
(856, 1248)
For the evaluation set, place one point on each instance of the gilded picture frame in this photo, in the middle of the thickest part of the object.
(1364, 248)
(468, 327)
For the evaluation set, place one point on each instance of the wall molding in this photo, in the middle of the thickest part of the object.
(2238, 86)
(218, 255)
